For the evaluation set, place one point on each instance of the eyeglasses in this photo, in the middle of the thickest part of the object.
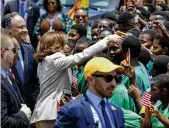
(78, 51)
(78, 16)
(108, 78)
(14, 50)
(51, 3)
(113, 48)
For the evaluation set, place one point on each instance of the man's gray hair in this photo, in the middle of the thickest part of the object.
(6, 21)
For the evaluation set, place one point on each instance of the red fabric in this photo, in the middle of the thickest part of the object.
(57, 106)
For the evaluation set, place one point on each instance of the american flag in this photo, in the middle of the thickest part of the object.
(74, 79)
(146, 98)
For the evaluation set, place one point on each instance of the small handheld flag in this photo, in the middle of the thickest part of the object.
(146, 99)
(128, 57)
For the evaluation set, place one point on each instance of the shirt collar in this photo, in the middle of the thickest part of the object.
(20, 1)
(3, 73)
(95, 99)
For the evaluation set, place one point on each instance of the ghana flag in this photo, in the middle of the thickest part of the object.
(79, 4)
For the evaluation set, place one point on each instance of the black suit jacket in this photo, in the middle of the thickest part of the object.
(30, 87)
(11, 116)
(33, 15)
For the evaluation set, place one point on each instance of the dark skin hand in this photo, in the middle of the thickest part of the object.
(136, 95)
(129, 71)
(162, 30)
(153, 111)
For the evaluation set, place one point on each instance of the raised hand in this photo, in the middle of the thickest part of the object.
(134, 92)
(114, 38)
(128, 69)
(162, 30)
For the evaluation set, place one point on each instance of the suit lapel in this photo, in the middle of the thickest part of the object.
(87, 112)
(18, 92)
(13, 94)
(9, 85)
(112, 114)
(18, 80)
(25, 60)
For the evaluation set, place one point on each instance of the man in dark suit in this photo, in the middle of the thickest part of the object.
(30, 13)
(14, 113)
(25, 69)
(92, 110)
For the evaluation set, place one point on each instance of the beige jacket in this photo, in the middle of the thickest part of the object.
(54, 76)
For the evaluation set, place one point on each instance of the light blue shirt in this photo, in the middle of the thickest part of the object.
(3, 73)
(96, 102)
(25, 5)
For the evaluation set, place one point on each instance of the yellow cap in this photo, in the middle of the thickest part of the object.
(100, 64)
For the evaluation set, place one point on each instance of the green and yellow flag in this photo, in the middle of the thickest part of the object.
(79, 4)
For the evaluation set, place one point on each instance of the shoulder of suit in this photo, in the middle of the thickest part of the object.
(12, 2)
(75, 103)
(3, 83)
(34, 4)
(27, 45)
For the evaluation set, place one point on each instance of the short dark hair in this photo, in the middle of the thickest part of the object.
(80, 29)
(109, 16)
(163, 42)
(95, 24)
(162, 13)
(6, 21)
(110, 23)
(134, 44)
(151, 7)
(125, 18)
(144, 57)
(160, 64)
(84, 40)
(162, 81)
(145, 13)
(59, 7)
(82, 9)
(163, 6)
(152, 33)
(135, 32)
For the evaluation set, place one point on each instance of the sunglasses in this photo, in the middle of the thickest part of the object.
(108, 78)
(78, 16)
(51, 3)
(13, 50)
(113, 48)
(78, 51)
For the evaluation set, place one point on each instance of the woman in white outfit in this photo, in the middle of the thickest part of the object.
(55, 75)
